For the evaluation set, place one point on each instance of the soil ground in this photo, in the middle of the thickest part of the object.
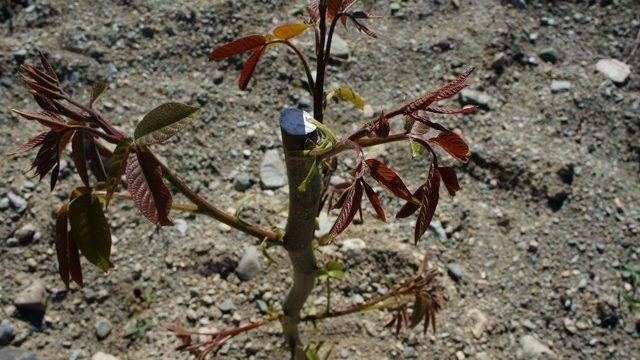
(545, 223)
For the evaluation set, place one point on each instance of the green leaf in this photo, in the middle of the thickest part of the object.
(351, 96)
(117, 165)
(419, 311)
(335, 270)
(90, 229)
(415, 148)
(163, 122)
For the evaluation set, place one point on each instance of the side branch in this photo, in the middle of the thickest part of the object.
(207, 208)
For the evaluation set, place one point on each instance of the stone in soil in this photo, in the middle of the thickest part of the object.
(25, 234)
(243, 182)
(550, 55)
(532, 349)
(479, 98)
(339, 48)
(103, 356)
(558, 86)
(249, 265)
(273, 174)
(32, 303)
(7, 333)
(455, 270)
(227, 306)
(614, 70)
(103, 329)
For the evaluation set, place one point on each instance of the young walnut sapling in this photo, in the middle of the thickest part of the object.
(311, 150)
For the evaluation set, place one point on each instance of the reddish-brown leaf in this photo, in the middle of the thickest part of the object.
(450, 179)
(95, 159)
(237, 47)
(48, 68)
(389, 179)
(374, 200)
(41, 89)
(249, 67)
(48, 119)
(445, 111)
(333, 8)
(382, 127)
(364, 15)
(410, 208)
(44, 103)
(453, 144)
(48, 156)
(341, 200)
(39, 77)
(349, 210)
(429, 203)
(364, 29)
(150, 194)
(29, 145)
(62, 243)
(75, 270)
(444, 92)
(79, 158)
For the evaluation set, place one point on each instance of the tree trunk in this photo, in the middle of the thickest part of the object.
(298, 134)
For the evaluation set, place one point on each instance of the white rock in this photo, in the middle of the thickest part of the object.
(614, 70)
(273, 173)
(353, 245)
(560, 86)
(249, 266)
(532, 348)
(103, 356)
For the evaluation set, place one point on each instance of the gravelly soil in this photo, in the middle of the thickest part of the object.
(546, 221)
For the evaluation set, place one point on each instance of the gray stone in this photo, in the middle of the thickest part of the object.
(339, 48)
(437, 228)
(103, 356)
(4, 204)
(25, 234)
(532, 348)
(103, 329)
(7, 333)
(13, 353)
(410, 352)
(614, 70)
(249, 265)
(218, 77)
(558, 86)
(243, 182)
(550, 55)
(273, 173)
(227, 306)
(33, 298)
(475, 97)
(455, 270)
(17, 202)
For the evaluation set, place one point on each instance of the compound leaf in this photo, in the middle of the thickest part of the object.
(163, 122)
(90, 229)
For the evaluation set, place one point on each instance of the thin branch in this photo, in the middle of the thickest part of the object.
(208, 209)
(202, 206)
(304, 61)
(108, 137)
(363, 142)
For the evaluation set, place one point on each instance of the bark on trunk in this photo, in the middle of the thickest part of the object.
(298, 134)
